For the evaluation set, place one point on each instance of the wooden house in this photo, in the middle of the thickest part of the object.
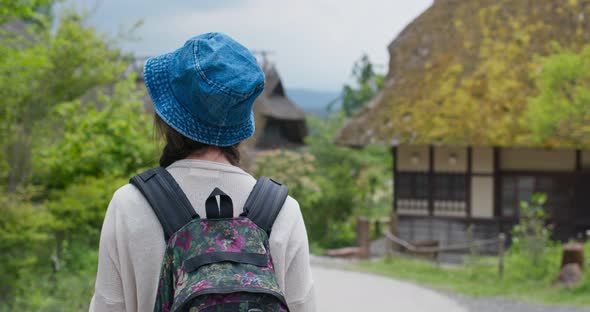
(471, 165)
(441, 190)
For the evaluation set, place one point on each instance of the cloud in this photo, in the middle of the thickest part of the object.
(157, 6)
(315, 42)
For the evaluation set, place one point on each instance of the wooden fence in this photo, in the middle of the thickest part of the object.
(424, 249)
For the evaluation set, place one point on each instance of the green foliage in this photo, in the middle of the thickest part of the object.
(278, 164)
(64, 291)
(360, 177)
(333, 184)
(102, 134)
(79, 209)
(531, 236)
(68, 289)
(23, 9)
(40, 68)
(51, 246)
(24, 238)
(560, 114)
(70, 120)
(368, 83)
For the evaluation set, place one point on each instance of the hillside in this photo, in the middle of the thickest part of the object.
(314, 101)
(460, 73)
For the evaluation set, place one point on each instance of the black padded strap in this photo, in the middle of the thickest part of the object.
(265, 202)
(168, 201)
(225, 208)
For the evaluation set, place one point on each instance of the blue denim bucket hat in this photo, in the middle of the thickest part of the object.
(206, 89)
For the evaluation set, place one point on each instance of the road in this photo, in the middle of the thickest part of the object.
(346, 291)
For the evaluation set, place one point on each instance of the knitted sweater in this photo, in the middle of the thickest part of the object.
(132, 241)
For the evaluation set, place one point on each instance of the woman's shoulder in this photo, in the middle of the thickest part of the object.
(128, 194)
(130, 203)
(288, 221)
(291, 207)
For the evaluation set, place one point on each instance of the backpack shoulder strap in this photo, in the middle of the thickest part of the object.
(168, 201)
(265, 202)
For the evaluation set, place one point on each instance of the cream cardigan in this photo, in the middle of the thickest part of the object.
(132, 241)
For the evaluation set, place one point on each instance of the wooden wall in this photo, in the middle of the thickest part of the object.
(483, 168)
(412, 158)
(537, 160)
(478, 163)
(586, 160)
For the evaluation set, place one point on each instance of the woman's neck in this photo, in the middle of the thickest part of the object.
(211, 154)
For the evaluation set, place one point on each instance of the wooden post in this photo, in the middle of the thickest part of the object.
(497, 186)
(394, 178)
(431, 183)
(501, 246)
(470, 238)
(363, 240)
(377, 228)
(393, 229)
(468, 182)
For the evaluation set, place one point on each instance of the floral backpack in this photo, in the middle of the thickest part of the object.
(220, 263)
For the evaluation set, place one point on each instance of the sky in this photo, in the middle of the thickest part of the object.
(313, 43)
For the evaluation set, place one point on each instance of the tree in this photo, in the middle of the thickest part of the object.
(72, 130)
(368, 83)
(560, 113)
(24, 9)
(106, 133)
(40, 68)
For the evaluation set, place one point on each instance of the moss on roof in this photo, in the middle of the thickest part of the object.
(461, 72)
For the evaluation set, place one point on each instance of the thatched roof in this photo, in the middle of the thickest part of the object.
(460, 73)
(274, 102)
(280, 107)
(280, 123)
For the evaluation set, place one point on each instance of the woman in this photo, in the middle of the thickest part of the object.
(203, 95)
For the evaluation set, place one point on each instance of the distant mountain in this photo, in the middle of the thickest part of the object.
(314, 101)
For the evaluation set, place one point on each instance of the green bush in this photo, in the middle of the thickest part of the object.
(294, 169)
(79, 209)
(49, 249)
(559, 113)
(531, 241)
(333, 184)
(25, 241)
(102, 135)
(68, 290)
(73, 130)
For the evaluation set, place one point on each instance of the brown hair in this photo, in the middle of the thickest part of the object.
(180, 147)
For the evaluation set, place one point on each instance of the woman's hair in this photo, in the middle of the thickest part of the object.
(180, 147)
